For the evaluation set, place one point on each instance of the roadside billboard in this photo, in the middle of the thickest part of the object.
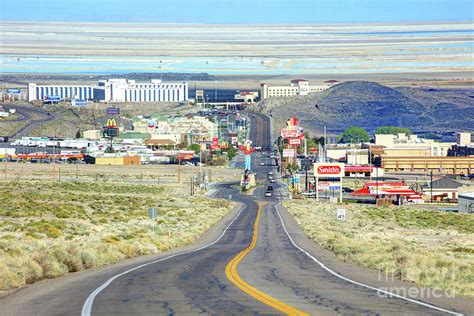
(294, 141)
(13, 91)
(287, 153)
(79, 102)
(289, 132)
(329, 170)
(112, 111)
(151, 123)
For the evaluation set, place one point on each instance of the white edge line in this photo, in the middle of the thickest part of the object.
(87, 307)
(358, 283)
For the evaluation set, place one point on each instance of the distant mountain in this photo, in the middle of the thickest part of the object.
(370, 105)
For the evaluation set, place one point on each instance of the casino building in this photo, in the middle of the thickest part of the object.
(113, 90)
(63, 92)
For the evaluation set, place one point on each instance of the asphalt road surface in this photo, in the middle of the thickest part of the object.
(26, 113)
(256, 261)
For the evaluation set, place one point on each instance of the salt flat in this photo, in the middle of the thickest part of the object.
(93, 48)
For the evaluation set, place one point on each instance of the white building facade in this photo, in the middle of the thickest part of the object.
(113, 90)
(296, 87)
(123, 90)
(63, 92)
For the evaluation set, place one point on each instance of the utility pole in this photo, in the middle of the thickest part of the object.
(431, 186)
(5, 165)
(306, 175)
(377, 184)
(54, 153)
(179, 168)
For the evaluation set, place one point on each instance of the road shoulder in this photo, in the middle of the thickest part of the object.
(32, 298)
(367, 276)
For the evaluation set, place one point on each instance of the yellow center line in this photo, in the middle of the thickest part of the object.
(233, 276)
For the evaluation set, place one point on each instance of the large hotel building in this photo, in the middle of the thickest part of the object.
(113, 90)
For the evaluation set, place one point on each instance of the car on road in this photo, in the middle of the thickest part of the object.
(270, 173)
(272, 180)
(262, 164)
(268, 194)
(269, 188)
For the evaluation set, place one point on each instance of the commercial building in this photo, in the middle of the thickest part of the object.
(464, 139)
(247, 96)
(113, 90)
(296, 87)
(443, 189)
(123, 90)
(402, 145)
(444, 165)
(60, 92)
(466, 202)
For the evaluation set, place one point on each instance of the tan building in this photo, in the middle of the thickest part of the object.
(400, 144)
(296, 87)
(443, 165)
(464, 139)
(93, 134)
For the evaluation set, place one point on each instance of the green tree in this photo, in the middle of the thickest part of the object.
(79, 134)
(392, 130)
(195, 147)
(353, 134)
(231, 152)
(431, 136)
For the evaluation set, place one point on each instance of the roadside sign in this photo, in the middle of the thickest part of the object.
(329, 170)
(288, 153)
(79, 102)
(294, 141)
(112, 111)
(152, 213)
(13, 91)
(341, 214)
(289, 132)
(53, 98)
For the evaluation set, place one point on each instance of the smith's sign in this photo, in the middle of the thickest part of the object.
(329, 170)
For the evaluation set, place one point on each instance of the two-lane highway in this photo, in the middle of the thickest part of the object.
(250, 263)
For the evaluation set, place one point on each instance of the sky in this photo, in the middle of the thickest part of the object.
(237, 11)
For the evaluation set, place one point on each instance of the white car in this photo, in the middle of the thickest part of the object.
(262, 164)
(268, 194)
(272, 180)
(270, 173)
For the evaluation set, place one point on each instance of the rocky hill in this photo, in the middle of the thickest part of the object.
(370, 105)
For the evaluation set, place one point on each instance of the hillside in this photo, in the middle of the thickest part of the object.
(370, 105)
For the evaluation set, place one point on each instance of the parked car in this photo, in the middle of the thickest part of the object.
(270, 188)
(268, 194)
(272, 180)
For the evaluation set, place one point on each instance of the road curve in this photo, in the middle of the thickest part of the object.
(272, 258)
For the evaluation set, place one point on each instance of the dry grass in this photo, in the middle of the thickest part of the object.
(431, 248)
(50, 228)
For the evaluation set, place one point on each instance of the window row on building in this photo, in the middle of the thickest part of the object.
(62, 92)
(113, 90)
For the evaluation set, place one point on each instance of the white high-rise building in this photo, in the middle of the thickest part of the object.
(113, 90)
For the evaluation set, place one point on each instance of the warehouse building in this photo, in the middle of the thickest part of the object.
(113, 90)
